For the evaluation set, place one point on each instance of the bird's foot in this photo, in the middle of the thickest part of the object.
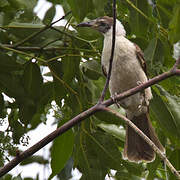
(139, 83)
(139, 106)
(113, 97)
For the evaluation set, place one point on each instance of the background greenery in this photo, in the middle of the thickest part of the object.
(73, 58)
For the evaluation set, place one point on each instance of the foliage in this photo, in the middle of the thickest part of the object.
(73, 58)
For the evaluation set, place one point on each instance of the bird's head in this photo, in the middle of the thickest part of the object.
(104, 25)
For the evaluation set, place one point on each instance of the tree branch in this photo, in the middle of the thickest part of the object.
(138, 131)
(98, 107)
(143, 86)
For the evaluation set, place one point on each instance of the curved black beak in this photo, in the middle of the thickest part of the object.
(87, 24)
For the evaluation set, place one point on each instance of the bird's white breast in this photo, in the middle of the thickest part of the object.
(126, 69)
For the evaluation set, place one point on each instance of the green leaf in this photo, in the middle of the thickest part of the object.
(133, 168)
(3, 3)
(164, 11)
(17, 128)
(23, 4)
(163, 115)
(94, 153)
(11, 85)
(70, 67)
(173, 103)
(34, 159)
(59, 90)
(139, 24)
(46, 95)
(172, 85)
(99, 7)
(92, 69)
(23, 30)
(114, 130)
(88, 33)
(4, 36)
(149, 52)
(142, 42)
(155, 55)
(66, 172)
(1, 105)
(19, 25)
(174, 25)
(54, 1)
(61, 151)
(27, 109)
(32, 80)
(7, 177)
(49, 15)
(83, 8)
(123, 175)
(108, 118)
(8, 63)
(174, 159)
(152, 168)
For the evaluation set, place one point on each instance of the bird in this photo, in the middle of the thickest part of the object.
(128, 71)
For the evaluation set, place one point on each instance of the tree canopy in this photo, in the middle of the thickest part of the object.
(28, 45)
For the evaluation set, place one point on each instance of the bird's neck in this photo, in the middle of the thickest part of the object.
(120, 31)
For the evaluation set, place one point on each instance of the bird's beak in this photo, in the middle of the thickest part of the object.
(88, 24)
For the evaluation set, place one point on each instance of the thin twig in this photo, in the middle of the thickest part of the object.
(101, 99)
(22, 52)
(40, 31)
(50, 42)
(37, 48)
(165, 170)
(69, 55)
(138, 131)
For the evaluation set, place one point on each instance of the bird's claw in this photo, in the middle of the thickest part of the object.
(139, 83)
(139, 106)
(113, 97)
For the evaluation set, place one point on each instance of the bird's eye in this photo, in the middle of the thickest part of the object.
(103, 24)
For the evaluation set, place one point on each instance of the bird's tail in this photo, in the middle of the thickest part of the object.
(136, 149)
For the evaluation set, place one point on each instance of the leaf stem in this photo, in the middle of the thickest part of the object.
(21, 52)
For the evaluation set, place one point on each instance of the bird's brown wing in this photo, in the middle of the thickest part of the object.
(140, 57)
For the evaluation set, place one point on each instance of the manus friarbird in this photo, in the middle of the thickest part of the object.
(128, 71)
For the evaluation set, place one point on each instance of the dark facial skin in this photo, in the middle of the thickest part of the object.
(102, 24)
